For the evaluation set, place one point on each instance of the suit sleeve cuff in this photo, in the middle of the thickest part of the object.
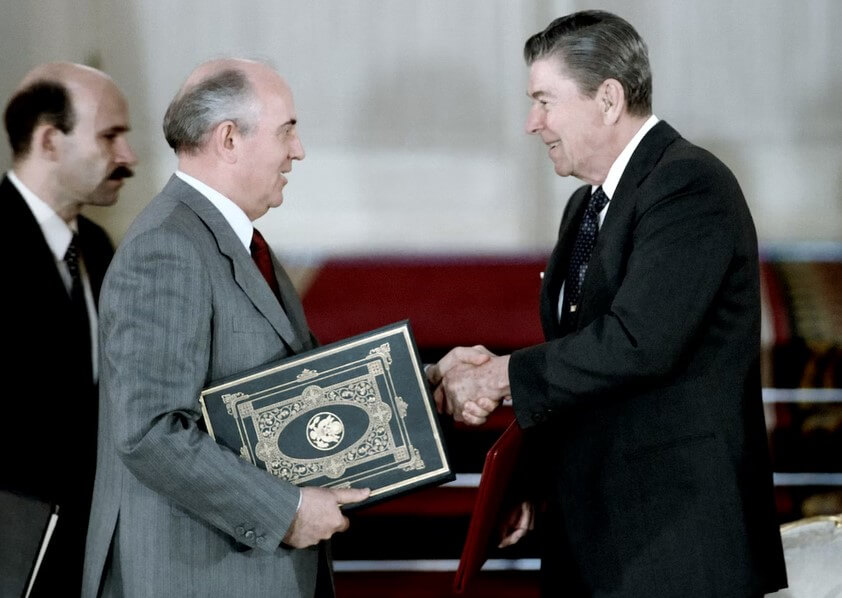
(529, 386)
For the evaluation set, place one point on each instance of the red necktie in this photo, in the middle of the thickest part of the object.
(263, 259)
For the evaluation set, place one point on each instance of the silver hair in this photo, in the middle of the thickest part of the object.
(193, 113)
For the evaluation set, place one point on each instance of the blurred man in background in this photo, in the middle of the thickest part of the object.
(67, 127)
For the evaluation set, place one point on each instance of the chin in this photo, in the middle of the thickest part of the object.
(103, 200)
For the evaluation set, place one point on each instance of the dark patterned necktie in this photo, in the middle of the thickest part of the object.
(81, 322)
(263, 259)
(582, 250)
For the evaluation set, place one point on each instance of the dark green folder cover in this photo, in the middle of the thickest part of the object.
(356, 413)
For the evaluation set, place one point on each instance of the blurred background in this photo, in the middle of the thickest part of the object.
(412, 113)
(421, 196)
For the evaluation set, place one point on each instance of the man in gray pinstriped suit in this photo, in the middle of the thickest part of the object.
(183, 304)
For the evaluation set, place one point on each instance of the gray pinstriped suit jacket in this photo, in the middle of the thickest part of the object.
(183, 305)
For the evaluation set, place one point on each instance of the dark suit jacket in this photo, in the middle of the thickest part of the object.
(647, 420)
(49, 422)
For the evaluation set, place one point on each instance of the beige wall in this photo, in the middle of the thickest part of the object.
(412, 112)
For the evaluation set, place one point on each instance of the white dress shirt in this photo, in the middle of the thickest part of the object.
(232, 213)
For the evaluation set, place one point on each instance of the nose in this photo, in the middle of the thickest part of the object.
(534, 120)
(297, 149)
(125, 154)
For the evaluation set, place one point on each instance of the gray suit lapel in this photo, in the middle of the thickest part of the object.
(292, 303)
(245, 272)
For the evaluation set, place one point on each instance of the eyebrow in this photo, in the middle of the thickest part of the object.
(537, 95)
(115, 129)
(290, 123)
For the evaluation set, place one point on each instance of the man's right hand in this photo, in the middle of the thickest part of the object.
(476, 355)
(319, 517)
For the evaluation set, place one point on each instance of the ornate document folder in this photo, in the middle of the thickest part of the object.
(356, 413)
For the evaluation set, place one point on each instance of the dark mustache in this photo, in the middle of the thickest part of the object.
(121, 172)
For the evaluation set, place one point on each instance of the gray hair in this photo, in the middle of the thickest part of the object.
(592, 46)
(195, 111)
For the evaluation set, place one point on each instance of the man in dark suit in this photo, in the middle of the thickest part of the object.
(195, 295)
(67, 128)
(643, 407)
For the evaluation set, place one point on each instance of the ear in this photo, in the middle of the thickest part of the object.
(612, 101)
(46, 141)
(225, 140)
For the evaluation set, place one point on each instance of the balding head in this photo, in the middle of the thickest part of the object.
(44, 96)
(233, 125)
(67, 126)
(67, 73)
(219, 90)
(212, 68)
(51, 93)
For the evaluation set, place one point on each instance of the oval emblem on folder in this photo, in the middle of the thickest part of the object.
(325, 431)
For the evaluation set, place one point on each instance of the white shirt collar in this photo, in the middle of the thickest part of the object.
(232, 213)
(56, 231)
(619, 165)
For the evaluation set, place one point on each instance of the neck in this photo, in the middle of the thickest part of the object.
(618, 137)
(41, 180)
(217, 174)
(212, 175)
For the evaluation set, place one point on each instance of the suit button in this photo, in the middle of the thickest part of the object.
(260, 539)
(240, 529)
(249, 535)
(537, 417)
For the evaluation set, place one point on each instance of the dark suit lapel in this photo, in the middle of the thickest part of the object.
(610, 250)
(246, 274)
(557, 266)
(39, 277)
(645, 158)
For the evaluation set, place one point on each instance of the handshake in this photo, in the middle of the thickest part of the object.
(470, 383)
